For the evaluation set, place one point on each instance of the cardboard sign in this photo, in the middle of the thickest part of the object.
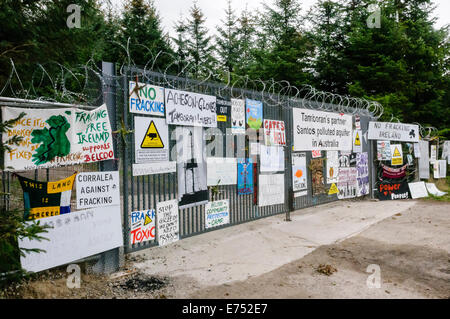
(271, 158)
(154, 168)
(74, 236)
(418, 190)
(393, 191)
(245, 176)
(396, 154)
(142, 226)
(299, 172)
(223, 107)
(217, 213)
(254, 113)
(151, 140)
(192, 109)
(167, 222)
(237, 116)
(146, 99)
(274, 133)
(221, 171)
(98, 189)
(271, 189)
(317, 130)
(45, 199)
(58, 137)
(393, 131)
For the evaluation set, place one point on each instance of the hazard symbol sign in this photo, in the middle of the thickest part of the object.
(151, 139)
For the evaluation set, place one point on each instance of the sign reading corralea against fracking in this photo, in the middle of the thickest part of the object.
(393, 132)
(57, 137)
(188, 108)
(146, 99)
(317, 130)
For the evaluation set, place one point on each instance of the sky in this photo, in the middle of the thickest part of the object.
(213, 10)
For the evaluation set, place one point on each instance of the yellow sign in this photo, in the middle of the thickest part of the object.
(357, 140)
(221, 118)
(152, 139)
(333, 189)
(147, 220)
(396, 153)
(63, 185)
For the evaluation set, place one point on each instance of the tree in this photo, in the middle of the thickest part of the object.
(181, 53)
(227, 41)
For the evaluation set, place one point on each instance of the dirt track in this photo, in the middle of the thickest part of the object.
(411, 248)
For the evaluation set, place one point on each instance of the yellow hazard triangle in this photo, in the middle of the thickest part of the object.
(147, 220)
(357, 140)
(152, 139)
(333, 189)
(396, 153)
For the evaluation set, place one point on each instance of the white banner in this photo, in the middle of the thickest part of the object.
(192, 109)
(154, 168)
(221, 170)
(237, 116)
(97, 189)
(167, 220)
(151, 140)
(393, 131)
(74, 236)
(317, 130)
(149, 101)
(217, 213)
(271, 189)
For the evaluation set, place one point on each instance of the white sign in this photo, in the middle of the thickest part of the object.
(217, 213)
(192, 109)
(442, 168)
(142, 226)
(433, 153)
(154, 168)
(393, 131)
(418, 190)
(272, 158)
(98, 189)
(317, 130)
(347, 182)
(416, 150)
(221, 170)
(151, 140)
(237, 116)
(149, 101)
(74, 236)
(254, 148)
(167, 220)
(274, 133)
(271, 189)
(424, 161)
(332, 166)
(432, 189)
(299, 172)
(446, 151)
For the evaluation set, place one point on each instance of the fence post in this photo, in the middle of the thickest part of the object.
(111, 260)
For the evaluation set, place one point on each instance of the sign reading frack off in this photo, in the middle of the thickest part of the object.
(151, 139)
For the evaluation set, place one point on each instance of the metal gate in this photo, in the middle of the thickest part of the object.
(144, 192)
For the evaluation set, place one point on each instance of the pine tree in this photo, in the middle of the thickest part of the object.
(246, 34)
(227, 41)
(181, 52)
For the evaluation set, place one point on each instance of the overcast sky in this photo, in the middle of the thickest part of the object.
(170, 10)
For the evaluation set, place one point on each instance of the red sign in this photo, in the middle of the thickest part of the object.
(274, 133)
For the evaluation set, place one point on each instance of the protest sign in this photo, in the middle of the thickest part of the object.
(393, 190)
(347, 182)
(357, 144)
(45, 199)
(274, 133)
(393, 132)
(191, 109)
(384, 150)
(151, 140)
(245, 176)
(318, 183)
(254, 113)
(299, 172)
(424, 162)
(316, 154)
(98, 189)
(154, 168)
(362, 168)
(142, 226)
(442, 168)
(393, 173)
(418, 190)
(344, 159)
(167, 222)
(146, 99)
(217, 213)
(74, 236)
(332, 166)
(57, 137)
(191, 167)
(221, 171)
(223, 107)
(237, 116)
(271, 158)
(396, 154)
(433, 153)
(317, 130)
(270, 189)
